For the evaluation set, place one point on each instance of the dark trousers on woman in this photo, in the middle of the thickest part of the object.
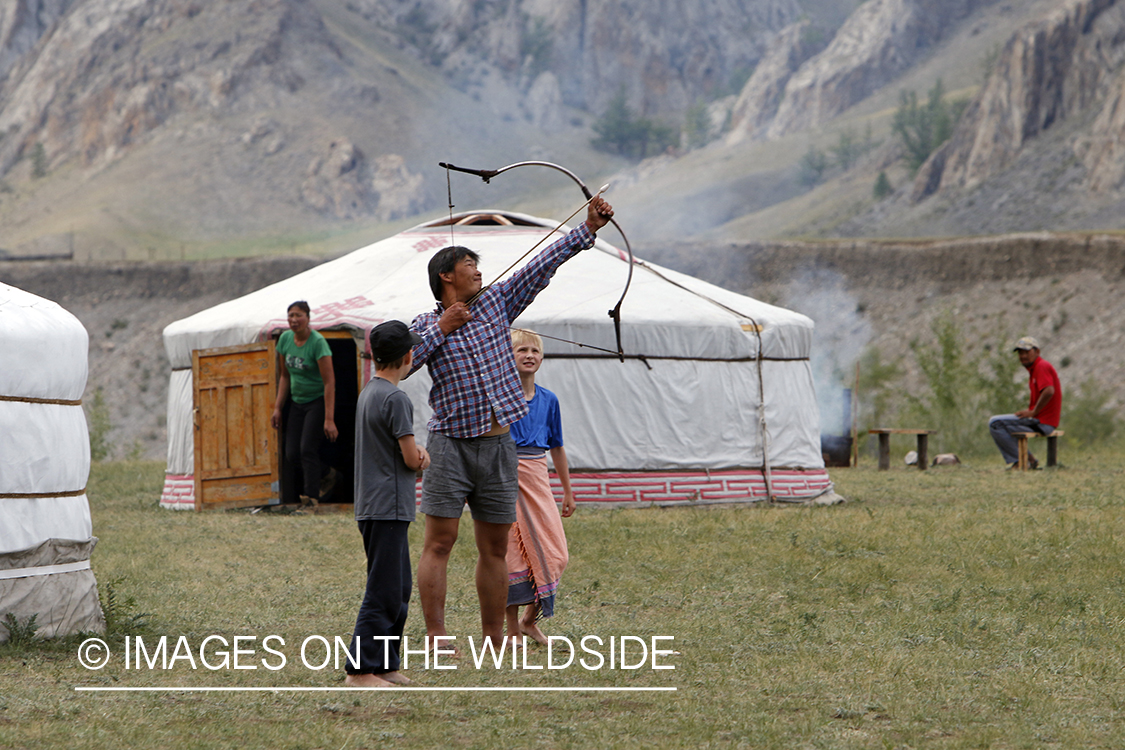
(304, 429)
(383, 611)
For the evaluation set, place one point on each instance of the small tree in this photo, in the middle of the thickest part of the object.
(922, 128)
(813, 165)
(882, 186)
(962, 390)
(697, 126)
(38, 161)
(846, 150)
(877, 389)
(1088, 419)
(619, 132)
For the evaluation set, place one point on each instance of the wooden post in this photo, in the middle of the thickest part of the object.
(884, 451)
(1022, 460)
(855, 415)
(923, 446)
(1052, 450)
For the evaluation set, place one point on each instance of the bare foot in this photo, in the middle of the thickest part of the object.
(397, 678)
(532, 631)
(366, 681)
(515, 643)
(445, 646)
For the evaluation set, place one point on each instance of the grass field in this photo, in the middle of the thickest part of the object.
(962, 607)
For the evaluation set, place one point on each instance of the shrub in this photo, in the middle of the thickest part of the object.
(922, 128)
(619, 132)
(20, 633)
(847, 150)
(1086, 418)
(121, 615)
(962, 391)
(697, 126)
(878, 388)
(99, 426)
(812, 167)
(882, 186)
(38, 161)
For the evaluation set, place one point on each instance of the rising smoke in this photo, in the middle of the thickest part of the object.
(842, 333)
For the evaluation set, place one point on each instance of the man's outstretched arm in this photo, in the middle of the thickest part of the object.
(522, 287)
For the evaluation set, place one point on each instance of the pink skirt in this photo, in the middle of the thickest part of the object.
(537, 553)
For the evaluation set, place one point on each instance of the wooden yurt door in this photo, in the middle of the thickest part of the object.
(233, 392)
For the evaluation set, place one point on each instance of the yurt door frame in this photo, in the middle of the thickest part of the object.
(233, 393)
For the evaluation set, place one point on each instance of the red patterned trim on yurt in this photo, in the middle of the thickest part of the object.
(729, 486)
(734, 485)
(179, 492)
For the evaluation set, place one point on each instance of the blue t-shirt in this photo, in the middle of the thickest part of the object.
(541, 429)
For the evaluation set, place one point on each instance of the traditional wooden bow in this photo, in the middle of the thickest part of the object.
(488, 174)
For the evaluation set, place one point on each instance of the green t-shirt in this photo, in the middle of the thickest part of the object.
(305, 383)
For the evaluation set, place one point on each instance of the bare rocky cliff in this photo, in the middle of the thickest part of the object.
(1049, 72)
(22, 24)
(111, 72)
(664, 55)
(796, 90)
(758, 102)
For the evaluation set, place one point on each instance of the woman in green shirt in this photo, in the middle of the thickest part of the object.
(305, 362)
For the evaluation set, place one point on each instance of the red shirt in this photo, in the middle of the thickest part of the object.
(1042, 376)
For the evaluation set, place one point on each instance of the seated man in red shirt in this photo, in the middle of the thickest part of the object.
(1042, 415)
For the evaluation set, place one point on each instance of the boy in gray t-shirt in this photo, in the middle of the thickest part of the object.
(386, 460)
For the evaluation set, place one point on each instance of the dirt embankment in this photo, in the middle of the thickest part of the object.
(1067, 290)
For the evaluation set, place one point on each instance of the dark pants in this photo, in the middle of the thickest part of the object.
(383, 611)
(304, 429)
(1003, 425)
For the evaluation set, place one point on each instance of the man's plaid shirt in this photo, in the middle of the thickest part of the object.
(473, 369)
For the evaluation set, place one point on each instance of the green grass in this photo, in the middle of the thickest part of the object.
(955, 608)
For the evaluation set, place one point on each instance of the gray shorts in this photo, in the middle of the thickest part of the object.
(482, 471)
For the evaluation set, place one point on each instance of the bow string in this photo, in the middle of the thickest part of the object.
(488, 174)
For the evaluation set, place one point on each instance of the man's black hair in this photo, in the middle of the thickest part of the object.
(444, 261)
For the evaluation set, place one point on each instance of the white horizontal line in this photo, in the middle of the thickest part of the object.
(350, 689)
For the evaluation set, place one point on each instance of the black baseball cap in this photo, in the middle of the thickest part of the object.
(391, 340)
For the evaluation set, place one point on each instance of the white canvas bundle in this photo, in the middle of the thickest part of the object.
(45, 528)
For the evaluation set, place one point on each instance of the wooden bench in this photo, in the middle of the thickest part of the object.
(1052, 447)
(885, 433)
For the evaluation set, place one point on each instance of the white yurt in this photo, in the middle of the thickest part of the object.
(714, 401)
(46, 535)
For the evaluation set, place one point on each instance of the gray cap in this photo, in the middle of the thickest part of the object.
(1026, 343)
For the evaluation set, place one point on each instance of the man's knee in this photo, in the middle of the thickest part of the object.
(492, 538)
(1002, 423)
(440, 535)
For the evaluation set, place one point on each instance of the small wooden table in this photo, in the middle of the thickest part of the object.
(885, 433)
(1052, 447)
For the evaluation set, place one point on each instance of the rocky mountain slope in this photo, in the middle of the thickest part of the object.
(1049, 71)
(137, 127)
(1036, 149)
(803, 87)
(180, 128)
